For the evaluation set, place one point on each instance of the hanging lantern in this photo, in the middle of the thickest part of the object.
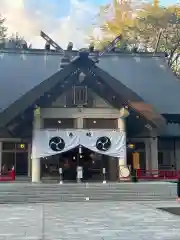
(21, 146)
(131, 146)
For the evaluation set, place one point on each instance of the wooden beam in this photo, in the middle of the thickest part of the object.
(101, 90)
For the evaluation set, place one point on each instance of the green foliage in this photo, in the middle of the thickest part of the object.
(3, 29)
(3, 32)
(153, 27)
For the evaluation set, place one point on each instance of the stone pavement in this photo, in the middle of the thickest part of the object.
(89, 221)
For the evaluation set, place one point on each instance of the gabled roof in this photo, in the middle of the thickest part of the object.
(22, 72)
(36, 94)
(171, 130)
(129, 97)
(143, 73)
(4, 133)
(149, 76)
(39, 94)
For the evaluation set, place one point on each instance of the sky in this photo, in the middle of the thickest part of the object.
(63, 20)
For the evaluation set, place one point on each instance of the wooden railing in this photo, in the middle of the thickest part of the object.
(157, 174)
(8, 176)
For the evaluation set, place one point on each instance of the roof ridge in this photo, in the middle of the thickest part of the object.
(76, 52)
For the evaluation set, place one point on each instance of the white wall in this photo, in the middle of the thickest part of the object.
(79, 112)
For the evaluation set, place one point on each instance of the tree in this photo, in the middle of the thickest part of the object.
(147, 27)
(15, 40)
(18, 41)
(170, 41)
(158, 29)
(114, 19)
(3, 32)
(3, 29)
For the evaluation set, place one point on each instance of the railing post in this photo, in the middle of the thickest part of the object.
(60, 176)
(13, 175)
(104, 175)
(138, 173)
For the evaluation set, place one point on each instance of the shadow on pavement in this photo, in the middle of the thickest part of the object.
(171, 210)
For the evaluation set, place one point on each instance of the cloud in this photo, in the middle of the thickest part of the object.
(28, 21)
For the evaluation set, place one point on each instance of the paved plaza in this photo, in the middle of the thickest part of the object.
(89, 221)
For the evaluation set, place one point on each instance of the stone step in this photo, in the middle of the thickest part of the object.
(77, 185)
(134, 187)
(82, 199)
(99, 191)
(60, 190)
(30, 193)
(90, 194)
(87, 194)
(79, 197)
(41, 192)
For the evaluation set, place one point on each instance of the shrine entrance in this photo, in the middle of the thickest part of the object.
(57, 152)
(92, 165)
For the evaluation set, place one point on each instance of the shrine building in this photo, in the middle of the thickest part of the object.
(63, 111)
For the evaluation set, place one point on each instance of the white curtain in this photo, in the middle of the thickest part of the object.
(51, 142)
(90, 139)
(41, 146)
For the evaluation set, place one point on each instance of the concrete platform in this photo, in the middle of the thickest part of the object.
(93, 221)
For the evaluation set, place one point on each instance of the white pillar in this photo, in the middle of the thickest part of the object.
(154, 153)
(79, 123)
(0, 156)
(29, 159)
(122, 124)
(36, 164)
(148, 154)
(36, 170)
(79, 170)
(123, 171)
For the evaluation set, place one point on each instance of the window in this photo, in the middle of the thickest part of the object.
(80, 95)
(101, 123)
(58, 123)
(11, 146)
(8, 146)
